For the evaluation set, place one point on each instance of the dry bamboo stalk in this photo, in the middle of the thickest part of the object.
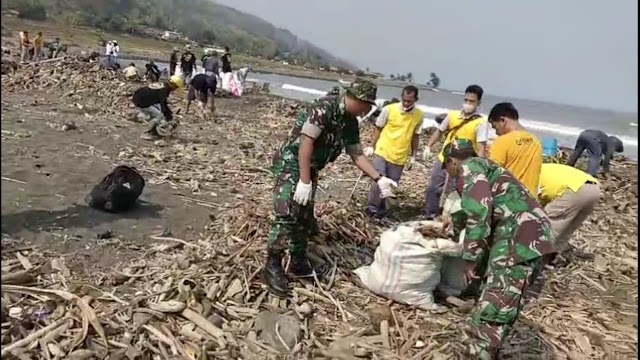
(32, 337)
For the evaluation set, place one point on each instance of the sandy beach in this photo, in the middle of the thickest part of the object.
(197, 241)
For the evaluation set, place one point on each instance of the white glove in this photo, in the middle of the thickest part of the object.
(303, 193)
(368, 151)
(426, 154)
(386, 186)
(410, 163)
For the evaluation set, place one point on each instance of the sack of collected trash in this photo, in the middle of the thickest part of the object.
(407, 263)
(232, 83)
(118, 191)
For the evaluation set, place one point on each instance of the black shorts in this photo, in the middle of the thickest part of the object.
(200, 95)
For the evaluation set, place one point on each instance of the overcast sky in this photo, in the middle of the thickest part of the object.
(582, 52)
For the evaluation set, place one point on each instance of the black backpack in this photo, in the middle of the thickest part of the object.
(118, 191)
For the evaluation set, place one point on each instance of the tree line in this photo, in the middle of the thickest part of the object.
(200, 20)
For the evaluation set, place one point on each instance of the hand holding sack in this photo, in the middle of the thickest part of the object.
(303, 193)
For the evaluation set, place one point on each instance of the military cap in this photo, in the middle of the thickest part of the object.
(363, 90)
(456, 147)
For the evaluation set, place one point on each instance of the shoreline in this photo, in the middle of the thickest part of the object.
(141, 48)
(304, 74)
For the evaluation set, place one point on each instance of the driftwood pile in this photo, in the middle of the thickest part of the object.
(201, 298)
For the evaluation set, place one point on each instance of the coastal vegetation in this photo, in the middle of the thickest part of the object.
(202, 21)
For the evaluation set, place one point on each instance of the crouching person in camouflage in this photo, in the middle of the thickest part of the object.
(508, 240)
(319, 134)
(152, 101)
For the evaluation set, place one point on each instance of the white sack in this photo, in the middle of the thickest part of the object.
(232, 83)
(406, 266)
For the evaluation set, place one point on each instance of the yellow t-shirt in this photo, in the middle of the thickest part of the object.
(555, 179)
(130, 71)
(398, 129)
(37, 42)
(521, 154)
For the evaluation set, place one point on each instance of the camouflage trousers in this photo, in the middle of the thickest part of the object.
(499, 306)
(294, 224)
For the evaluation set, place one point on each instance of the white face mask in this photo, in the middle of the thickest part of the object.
(405, 109)
(468, 108)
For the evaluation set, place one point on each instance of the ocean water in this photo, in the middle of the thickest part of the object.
(562, 122)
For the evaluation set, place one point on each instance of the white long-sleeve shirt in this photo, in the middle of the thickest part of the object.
(108, 49)
(116, 50)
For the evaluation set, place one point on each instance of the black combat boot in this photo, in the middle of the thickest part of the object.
(273, 275)
(301, 266)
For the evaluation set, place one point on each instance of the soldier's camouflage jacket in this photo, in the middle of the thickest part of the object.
(337, 130)
(504, 224)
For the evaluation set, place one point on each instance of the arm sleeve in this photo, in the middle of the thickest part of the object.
(482, 132)
(314, 124)
(164, 107)
(477, 204)
(381, 120)
(444, 125)
(351, 133)
(498, 152)
(418, 129)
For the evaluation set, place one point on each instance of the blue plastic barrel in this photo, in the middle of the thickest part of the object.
(549, 147)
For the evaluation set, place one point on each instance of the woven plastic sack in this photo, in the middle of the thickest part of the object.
(406, 266)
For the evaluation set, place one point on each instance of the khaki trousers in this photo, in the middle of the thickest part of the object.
(570, 210)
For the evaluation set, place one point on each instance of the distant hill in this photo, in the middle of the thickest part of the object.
(201, 20)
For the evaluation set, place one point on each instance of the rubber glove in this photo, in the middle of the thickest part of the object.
(303, 193)
(368, 151)
(410, 163)
(386, 186)
(426, 154)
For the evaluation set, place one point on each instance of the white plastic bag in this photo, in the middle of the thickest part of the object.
(406, 266)
(235, 87)
(452, 204)
(452, 279)
(226, 78)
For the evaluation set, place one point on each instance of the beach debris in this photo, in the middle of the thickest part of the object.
(200, 297)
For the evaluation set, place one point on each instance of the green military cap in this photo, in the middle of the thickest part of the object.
(457, 146)
(363, 90)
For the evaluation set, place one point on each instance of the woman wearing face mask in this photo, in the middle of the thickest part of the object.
(460, 124)
(395, 143)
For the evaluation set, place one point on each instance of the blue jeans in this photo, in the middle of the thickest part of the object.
(434, 189)
(375, 204)
(587, 141)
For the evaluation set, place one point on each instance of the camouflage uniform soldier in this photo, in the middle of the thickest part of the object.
(508, 239)
(320, 133)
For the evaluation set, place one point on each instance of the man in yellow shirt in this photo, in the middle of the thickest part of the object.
(37, 47)
(515, 149)
(465, 124)
(25, 44)
(569, 196)
(131, 72)
(395, 142)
